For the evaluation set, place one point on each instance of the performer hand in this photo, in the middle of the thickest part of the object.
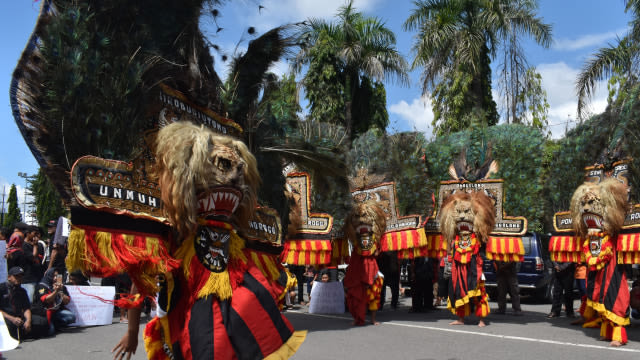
(126, 346)
(27, 325)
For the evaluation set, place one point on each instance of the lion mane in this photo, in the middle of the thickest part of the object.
(475, 207)
(607, 199)
(187, 165)
(365, 213)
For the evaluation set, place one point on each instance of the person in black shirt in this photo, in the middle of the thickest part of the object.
(422, 284)
(563, 273)
(32, 254)
(14, 304)
(390, 268)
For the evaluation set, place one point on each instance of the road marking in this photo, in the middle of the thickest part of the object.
(506, 337)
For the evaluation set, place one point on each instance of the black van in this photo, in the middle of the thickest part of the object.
(535, 273)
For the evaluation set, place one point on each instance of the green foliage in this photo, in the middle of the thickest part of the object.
(13, 214)
(533, 108)
(47, 200)
(399, 158)
(457, 103)
(603, 139)
(454, 47)
(518, 150)
(348, 60)
(324, 82)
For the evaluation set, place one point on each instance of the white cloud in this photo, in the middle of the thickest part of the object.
(277, 12)
(586, 41)
(417, 115)
(558, 80)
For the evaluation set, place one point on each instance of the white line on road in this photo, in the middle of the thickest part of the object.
(506, 337)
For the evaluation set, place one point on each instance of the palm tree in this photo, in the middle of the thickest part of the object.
(457, 39)
(620, 58)
(358, 53)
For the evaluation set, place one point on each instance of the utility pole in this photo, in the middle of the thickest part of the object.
(26, 178)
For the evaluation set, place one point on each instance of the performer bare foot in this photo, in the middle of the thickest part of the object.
(460, 321)
(615, 343)
(373, 318)
(481, 323)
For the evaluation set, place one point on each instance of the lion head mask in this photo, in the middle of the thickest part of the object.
(364, 227)
(465, 213)
(599, 207)
(208, 176)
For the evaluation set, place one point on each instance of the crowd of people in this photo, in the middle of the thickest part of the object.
(33, 299)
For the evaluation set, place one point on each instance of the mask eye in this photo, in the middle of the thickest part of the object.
(224, 164)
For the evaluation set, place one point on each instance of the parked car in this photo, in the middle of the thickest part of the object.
(535, 273)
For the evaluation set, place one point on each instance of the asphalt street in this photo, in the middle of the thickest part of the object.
(401, 335)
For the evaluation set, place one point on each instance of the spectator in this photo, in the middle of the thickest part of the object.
(15, 308)
(507, 281)
(390, 268)
(32, 254)
(15, 244)
(77, 278)
(422, 285)
(5, 234)
(581, 279)
(298, 272)
(58, 245)
(563, 274)
(14, 304)
(50, 298)
(310, 274)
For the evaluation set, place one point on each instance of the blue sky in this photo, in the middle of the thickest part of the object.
(579, 28)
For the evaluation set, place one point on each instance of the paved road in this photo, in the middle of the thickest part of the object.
(401, 335)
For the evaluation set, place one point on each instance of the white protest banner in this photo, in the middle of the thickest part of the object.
(327, 298)
(92, 305)
(6, 341)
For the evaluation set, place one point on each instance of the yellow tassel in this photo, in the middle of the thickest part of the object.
(218, 284)
(103, 240)
(77, 248)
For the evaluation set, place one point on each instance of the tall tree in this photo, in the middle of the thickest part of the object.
(456, 42)
(621, 59)
(47, 200)
(13, 214)
(348, 61)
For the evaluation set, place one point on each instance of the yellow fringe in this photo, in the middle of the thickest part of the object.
(290, 347)
(618, 320)
(218, 284)
(103, 240)
(77, 248)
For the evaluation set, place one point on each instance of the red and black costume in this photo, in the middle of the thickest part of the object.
(607, 289)
(227, 315)
(466, 285)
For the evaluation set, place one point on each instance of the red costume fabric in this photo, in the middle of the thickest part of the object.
(607, 290)
(361, 275)
(466, 283)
